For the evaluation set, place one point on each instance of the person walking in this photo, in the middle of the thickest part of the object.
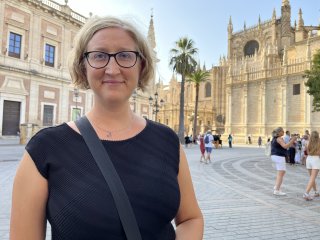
(186, 140)
(278, 154)
(202, 148)
(230, 140)
(208, 139)
(58, 178)
(259, 141)
(313, 165)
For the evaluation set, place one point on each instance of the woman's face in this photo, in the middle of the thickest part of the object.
(281, 133)
(112, 83)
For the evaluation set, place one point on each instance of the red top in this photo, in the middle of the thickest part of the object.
(202, 148)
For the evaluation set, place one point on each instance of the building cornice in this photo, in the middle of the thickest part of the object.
(64, 12)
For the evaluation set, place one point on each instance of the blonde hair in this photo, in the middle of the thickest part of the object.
(276, 132)
(314, 143)
(76, 59)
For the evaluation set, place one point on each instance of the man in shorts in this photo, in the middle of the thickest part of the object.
(208, 139)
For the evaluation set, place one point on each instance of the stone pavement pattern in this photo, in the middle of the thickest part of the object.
(234, 193)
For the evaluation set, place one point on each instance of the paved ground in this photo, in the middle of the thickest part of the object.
(234, 193)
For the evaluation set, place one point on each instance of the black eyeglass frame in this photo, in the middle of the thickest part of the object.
(86, 54)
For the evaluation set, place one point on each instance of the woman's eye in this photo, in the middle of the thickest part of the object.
(124, 56)
(100, 56)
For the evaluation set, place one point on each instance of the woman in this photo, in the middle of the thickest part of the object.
(59, 180)
(202, 148)
(312, 164)
(278, 156)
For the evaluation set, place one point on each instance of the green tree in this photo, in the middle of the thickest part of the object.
(313, 82)
(182, 61)
(197, 77)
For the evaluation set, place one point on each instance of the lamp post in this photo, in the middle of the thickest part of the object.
(155, 104)
(76, 95)
(134, 98)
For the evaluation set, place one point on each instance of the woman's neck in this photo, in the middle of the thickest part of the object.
(113, 116)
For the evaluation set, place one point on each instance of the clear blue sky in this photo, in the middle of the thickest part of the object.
(204, 21)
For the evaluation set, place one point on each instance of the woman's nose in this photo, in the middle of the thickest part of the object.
(112, 66)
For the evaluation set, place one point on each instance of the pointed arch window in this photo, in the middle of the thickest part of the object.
(207, 89)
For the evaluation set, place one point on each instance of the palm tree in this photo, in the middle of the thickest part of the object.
(183, 62)
(197, 77)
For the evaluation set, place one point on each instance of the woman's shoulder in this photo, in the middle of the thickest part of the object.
(51, 132)
(160, 129)
(159, 126)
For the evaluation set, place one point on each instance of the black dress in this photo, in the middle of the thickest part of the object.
(80, 205)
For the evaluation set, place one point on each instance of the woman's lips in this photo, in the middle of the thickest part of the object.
(113, 82)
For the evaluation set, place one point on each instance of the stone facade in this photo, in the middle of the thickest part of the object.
(259, 85)
(35, 85)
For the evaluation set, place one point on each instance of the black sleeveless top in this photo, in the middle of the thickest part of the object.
(277, 149)
(80, 205)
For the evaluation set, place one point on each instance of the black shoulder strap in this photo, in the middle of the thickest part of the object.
(112, 178)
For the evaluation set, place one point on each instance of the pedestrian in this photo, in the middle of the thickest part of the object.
(202, 148)
(304, 144)
(312, 164)
(278, 154)
(259, 141)
(292, 150)
(208, 139)
(58, 179)
(186, 140)
(268, 148)
(230, 140)
(286, 139)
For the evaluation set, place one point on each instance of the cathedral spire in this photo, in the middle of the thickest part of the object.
(151, 34)
(274, 15)
(285, 24)
(230, 26)
(285, 2)
(300, 20)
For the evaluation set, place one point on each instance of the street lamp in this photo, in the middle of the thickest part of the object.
(76, 95)
(154, 103)
(134, 98)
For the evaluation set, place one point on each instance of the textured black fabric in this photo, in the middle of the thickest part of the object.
(79, 204)
(277, 149)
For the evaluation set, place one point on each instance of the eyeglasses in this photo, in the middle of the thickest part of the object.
(125, 59)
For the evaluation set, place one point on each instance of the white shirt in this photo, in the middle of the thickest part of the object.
(210, 140)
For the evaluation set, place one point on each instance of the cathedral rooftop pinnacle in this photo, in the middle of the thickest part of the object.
(285, 2)
(230, 26)
(300, 21)
(151, 34)
(274, 15)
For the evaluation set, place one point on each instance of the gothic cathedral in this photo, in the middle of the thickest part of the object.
(259, 85)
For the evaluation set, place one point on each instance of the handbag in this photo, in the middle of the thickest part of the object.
(99, 153)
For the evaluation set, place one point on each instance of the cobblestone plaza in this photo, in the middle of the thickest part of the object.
(234, 193)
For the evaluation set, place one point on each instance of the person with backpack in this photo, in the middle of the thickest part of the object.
(208, 138)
